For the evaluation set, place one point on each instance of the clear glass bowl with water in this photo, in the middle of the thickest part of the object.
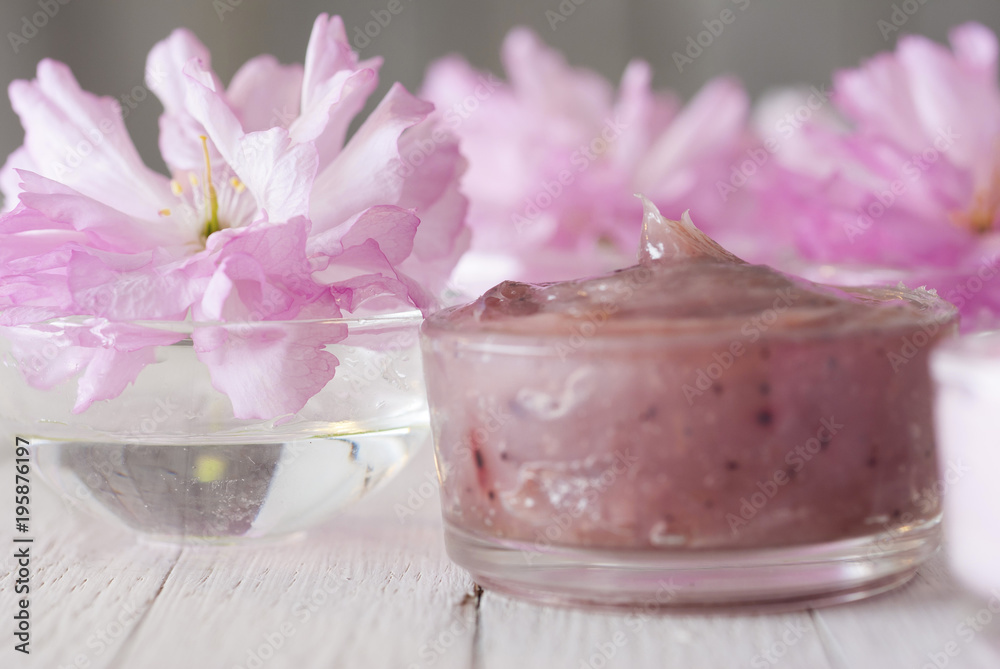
(168, 459)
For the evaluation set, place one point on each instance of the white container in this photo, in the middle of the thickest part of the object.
(967, 408)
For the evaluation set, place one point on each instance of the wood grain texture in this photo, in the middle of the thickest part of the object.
(374, 589)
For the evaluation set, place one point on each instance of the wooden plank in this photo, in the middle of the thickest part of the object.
(915, 626)
(354, 595)
(515, 634)
(91, 584)
(372, 589)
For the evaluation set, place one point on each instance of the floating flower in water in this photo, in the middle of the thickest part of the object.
(556, 156)
(271, 213)
(912, 190)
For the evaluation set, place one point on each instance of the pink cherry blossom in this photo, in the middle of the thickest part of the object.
(909, 187)
(556, 156)
(271, 212)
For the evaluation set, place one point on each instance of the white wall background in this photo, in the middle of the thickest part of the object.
(771, 42)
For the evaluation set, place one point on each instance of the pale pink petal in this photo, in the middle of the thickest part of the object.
(642, 114)
(165, 68)
(45, 355)
(326, 121)
(110, 229)
(368, 171)
(328, 53)
(433, 193)
(390, 227)
(266, 94)
(363, 261)
(278, 172)
(268, 371)
(262, 274)
(80, 140)
(713, 121)
(334, 89)
(941, 95)
(543, 79)
(129, 287)
(362, 273)
(181, 147)
(10, 182)
(120, 352)
(862, 94)
(976, 47)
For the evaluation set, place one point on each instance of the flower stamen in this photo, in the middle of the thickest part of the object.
(211, 197)
(164, 212)
(986, 205)
(175, 187)
(237, 185)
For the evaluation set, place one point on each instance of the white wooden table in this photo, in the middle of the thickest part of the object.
(371, 591)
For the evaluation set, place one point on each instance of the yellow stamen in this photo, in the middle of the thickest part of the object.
(237, 184)
(986, 205)
(164, 212)
(193, 179)
(175, 187)
(211, 197)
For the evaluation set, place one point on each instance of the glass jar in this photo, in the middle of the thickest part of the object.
(691, 431)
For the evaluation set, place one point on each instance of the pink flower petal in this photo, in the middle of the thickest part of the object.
(262, 274)
(279, 173)
(165, 68)
(121, 353)
(266, 94)
(368, 171)
(269, 371)
(80, 140)
(108, 229)
(328, 53)
(433, 193)
(326, 120)
(10, 181)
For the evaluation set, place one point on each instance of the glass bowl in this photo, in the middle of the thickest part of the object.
(168, 458)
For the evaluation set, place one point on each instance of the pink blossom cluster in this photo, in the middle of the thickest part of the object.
(892, 174)
(266, 216)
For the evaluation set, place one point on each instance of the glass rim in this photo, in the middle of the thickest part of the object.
(936, 311)
(403, 317)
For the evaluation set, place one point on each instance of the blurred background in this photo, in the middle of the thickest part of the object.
(766, 42)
